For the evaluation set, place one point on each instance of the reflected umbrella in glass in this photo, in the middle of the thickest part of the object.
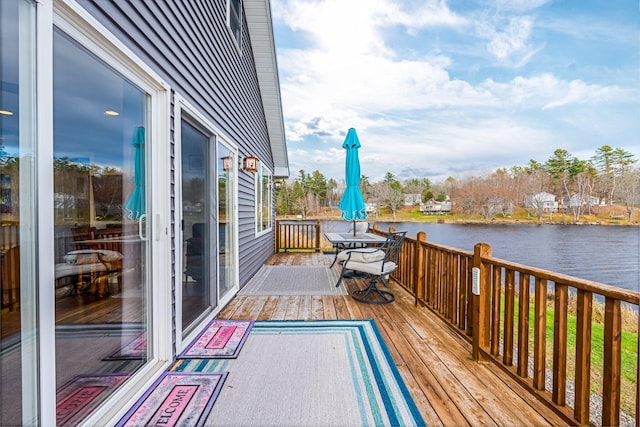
(352, 207)
(136, 205)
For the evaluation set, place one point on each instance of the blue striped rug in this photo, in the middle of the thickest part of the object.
(310, 373)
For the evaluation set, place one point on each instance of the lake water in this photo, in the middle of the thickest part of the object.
(605, 254)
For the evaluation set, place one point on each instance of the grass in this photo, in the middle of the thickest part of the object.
(629, 347)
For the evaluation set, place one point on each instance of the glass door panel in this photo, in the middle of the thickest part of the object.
(101, 256)
(196, 290)
(227, 172)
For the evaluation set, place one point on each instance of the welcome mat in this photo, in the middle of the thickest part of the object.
(176, 399)
(82, 394)
(221, 338)
(133, 350)
(310, 373)
(293, 280)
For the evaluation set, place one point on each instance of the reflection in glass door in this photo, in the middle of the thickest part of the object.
(101, 297)
(227, 172)
(196, 292)
(18, 333)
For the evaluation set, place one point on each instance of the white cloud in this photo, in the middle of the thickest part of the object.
(520, 5)
(512, 39)
(410, 113)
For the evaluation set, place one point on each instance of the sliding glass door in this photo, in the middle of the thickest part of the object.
(196, 224)
(102, 297)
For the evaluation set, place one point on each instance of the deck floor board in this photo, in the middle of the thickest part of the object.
(433, 358)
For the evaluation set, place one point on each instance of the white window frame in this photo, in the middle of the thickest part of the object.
(237, 38)
(73, 20)
(260, 201)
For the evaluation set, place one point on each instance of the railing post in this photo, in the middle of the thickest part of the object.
(277, 235)
(481, 325)
(317, 236)
(418, 267)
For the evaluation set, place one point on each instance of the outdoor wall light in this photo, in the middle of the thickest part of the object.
(250, 164)
(226, 163)
(277, 185)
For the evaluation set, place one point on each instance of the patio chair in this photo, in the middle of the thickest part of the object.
(376, 264)
(361, 227)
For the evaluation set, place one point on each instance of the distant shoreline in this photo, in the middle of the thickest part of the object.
(435, 220)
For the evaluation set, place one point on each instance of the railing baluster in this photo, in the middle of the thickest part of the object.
(523, 326)
(509, 312)
(583, 357)
(612, 362)
(455, 289)
(559, 394)
(495, 315)
(540, 335)
(469, 306)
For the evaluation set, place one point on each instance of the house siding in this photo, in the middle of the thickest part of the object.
(188, 44)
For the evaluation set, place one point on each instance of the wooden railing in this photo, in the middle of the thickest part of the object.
(518, 317)
(297, 235)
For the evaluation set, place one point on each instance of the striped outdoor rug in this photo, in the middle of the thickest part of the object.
(310, 373)
(294, 280)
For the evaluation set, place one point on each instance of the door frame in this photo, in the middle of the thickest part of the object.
(235, 260)
(69, 17)
(184, 109)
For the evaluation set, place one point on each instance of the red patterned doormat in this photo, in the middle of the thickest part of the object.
(176, 399)
(220, 339)
(133, 350)
(82, 394)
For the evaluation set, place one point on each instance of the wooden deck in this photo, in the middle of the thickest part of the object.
(435, 361)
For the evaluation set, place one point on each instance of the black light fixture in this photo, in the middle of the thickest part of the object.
(277, 185)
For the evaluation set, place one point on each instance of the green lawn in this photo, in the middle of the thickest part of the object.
(629, 353)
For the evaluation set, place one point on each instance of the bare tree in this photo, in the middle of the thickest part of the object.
(388, 195)
(629, 191)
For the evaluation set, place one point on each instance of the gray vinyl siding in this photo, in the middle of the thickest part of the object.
(188, 44)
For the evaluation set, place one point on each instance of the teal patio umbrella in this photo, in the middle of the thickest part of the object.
(352, 207)
(136, 205)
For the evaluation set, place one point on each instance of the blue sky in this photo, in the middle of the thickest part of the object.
(437, 88)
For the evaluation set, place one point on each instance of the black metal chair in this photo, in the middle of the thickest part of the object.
(376, 264)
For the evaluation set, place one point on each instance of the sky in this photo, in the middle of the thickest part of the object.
(439, 88)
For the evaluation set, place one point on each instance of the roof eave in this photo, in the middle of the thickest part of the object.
(260, 27)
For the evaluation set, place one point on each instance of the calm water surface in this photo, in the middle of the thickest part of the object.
(606, 254)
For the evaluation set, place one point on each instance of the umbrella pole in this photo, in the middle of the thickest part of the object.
(354, 228)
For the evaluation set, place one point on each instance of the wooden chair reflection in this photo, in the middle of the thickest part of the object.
(10, 276)
(96, 258)
(82, 234)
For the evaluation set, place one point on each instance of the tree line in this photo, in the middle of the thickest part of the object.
(610, 177)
